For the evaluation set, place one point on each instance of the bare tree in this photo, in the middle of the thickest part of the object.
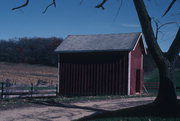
(165, 62)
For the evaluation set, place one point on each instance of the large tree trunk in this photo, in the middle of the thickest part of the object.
(166, 95)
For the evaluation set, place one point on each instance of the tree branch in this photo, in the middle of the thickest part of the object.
(169, 7)
(81, 2)
(53, 3)
(118, 10)
(174, 49)
(159, 27)
(24, 5)
(101, 4)
(147, 29)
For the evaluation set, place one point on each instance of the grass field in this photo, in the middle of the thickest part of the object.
(27, 74)
(177, 76)
(154, 77)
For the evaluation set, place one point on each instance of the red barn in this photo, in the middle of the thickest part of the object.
(102, 64)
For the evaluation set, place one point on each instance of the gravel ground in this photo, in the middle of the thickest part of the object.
(67, 112)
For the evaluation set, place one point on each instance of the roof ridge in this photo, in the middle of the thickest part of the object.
(103, 34)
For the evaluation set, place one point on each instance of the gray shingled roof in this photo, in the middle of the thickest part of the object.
(99, 42)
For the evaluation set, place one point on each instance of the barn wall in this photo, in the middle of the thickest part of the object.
(93, 74)
(136, 63)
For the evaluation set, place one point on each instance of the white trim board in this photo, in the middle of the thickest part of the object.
(58, 73)
(140, 36)
(129, 73)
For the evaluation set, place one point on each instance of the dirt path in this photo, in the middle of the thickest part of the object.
(67, 112)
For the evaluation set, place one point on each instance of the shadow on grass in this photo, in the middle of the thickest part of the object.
(148, 110)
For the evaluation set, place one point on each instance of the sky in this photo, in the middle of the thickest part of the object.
(71, 18)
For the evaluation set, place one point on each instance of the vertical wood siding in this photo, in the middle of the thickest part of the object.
(80, 78)
(136, 64)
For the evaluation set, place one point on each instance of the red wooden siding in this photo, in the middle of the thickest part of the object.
(93, 77)
(136, 64)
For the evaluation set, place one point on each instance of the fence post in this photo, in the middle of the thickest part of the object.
(56, 90)
(2, 90)
(31, 89)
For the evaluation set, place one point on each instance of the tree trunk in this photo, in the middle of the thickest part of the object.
(166, 98)
(167, 94)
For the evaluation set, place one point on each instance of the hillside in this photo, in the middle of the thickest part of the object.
(27, 74)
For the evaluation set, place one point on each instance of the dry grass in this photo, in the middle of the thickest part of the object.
(27, 74)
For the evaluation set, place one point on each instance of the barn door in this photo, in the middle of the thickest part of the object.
(138, 80)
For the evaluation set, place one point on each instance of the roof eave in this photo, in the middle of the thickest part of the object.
(92, 51)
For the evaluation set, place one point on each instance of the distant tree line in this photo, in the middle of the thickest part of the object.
(41, 51)
(30, 50)
(150, 65)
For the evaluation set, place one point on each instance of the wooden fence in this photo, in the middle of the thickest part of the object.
(154, 86)
(26, 91)
(151, 85)
(36, 91)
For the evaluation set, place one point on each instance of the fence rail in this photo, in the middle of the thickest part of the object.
(154, 85)
(151, 85)
(36, 91)
(26, 91)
